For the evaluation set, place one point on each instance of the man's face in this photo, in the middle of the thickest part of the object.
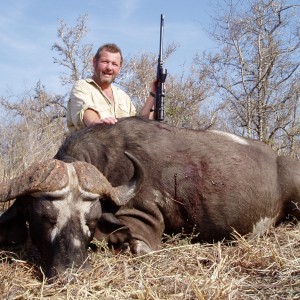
(107, 67)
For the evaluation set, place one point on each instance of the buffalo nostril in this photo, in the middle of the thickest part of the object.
(51, 274)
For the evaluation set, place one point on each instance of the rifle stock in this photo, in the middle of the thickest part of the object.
(159, 113)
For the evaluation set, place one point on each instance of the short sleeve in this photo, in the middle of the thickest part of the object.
(80, 100)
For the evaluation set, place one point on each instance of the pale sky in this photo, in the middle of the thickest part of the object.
(28, 29)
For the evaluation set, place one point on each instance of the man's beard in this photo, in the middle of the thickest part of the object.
(102, 79)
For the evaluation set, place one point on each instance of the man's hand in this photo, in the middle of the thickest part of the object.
(109, 120)
(90, 118)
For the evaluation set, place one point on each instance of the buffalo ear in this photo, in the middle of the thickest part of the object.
(13, 229)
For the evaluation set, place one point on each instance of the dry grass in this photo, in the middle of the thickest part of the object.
(267, 267)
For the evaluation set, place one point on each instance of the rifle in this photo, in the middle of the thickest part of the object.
(160, 77)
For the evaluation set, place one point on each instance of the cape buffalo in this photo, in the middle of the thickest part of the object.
(62, 203)
(207, 182)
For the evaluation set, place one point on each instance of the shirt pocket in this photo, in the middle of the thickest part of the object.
(123, 110)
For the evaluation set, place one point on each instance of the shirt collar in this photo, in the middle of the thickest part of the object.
(91, 80)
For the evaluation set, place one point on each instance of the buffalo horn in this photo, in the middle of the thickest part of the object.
(92, 180)
(46, 176)
(129, 190)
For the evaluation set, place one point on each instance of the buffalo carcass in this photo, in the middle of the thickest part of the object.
(207, 182)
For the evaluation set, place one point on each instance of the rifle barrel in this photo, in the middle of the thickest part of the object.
(162, 18)
(161, 76)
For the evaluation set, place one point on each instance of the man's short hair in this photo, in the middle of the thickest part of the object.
(113, 48)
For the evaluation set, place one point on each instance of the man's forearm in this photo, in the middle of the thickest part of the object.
(147, 109)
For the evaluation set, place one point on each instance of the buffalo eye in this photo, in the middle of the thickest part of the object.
(50, 221)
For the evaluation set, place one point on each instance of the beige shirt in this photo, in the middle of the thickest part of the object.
(87, 94)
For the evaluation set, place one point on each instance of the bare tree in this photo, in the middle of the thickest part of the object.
(256, 70)
(34, 131)
(185, 98)
(75, 56)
